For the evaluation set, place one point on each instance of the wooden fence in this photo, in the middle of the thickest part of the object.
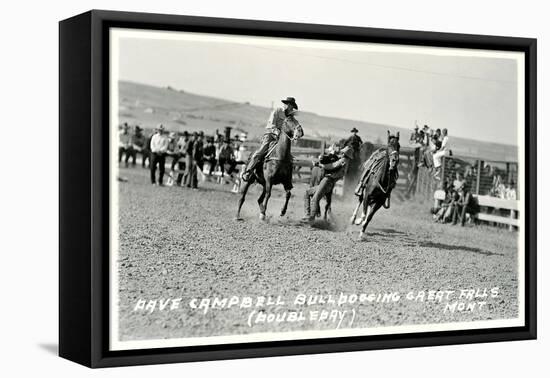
(492, 209)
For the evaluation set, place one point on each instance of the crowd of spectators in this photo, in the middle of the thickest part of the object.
(459, 205)
(434, 145)
(190, 154)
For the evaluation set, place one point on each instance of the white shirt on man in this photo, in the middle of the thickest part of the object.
(445, 146)
(159, 143)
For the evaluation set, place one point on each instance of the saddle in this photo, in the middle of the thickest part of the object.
(268, 155)
(373, 166)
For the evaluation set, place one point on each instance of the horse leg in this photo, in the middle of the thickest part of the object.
(354, 215)
(287, 198)
(371, 210)
(366, 208)
(266, 193)
(328, 198)
(261, 199)
(241, 200)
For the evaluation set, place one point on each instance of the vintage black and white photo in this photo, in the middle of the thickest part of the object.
(267, 189)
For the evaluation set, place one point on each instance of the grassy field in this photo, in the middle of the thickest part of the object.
(182, 243)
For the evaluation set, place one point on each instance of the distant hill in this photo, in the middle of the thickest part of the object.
(178, 110)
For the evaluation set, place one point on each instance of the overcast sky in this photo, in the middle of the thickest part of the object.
(473, 97)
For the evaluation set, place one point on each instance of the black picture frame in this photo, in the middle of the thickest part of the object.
(84, 187)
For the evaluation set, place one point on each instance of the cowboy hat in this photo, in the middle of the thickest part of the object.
(290, 101)
(354, 130)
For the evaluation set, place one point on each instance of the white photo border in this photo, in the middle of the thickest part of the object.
(115, 34)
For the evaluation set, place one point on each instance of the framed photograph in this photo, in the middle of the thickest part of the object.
(235, 188)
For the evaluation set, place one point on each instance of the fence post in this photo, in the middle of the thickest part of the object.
(478, 179)
(512, 216)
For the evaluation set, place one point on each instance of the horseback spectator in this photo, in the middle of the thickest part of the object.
(159, 147)
(355, 142)
(124, 144)
(273, 129)
(332, 173)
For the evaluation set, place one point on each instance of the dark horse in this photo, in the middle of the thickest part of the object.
(377, 181)
(276, 169)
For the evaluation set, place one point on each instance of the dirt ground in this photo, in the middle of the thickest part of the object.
(182, 243)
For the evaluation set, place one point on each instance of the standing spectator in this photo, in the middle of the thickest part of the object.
(210, 154)
(146, 152)
(181, 148)
(190, 169)
(198, 151)
(138, 144)
(413, 174)
(195, 160)
(240, 153)
(226, 158)
(172, 149)
(124, 144)
(218, 138)
(159, 148)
